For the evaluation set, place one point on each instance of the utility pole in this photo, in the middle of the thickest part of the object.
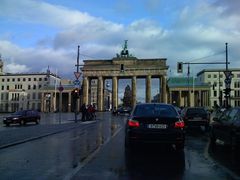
(77, 86)
(189, 94)
(228, 80)
(227, 73)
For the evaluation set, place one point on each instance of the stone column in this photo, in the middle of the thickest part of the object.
(191, 99)
(170, 97)
(204, 98)
(114, 92)
(42, 102)
(148, 89)
(51, 102)
(160, 90)
(164, 89)
(180, 98)
(69, 101)
(100, 94)
(134, 91)
(85, 90)
(200, 97)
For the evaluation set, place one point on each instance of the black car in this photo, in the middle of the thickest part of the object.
(195, 116)
(122, 110)
(226, 128)
(22, 117)
(155, 123)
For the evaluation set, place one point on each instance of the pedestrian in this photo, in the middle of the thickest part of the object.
(84, 112)
(90, 111)
(94, 111)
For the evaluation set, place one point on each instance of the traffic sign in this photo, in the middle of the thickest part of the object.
(228, 74)
(77, 74)
(77, 82)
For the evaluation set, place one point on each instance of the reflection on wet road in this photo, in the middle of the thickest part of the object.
(96, 151)
(56, 156)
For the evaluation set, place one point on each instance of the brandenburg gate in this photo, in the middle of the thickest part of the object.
(124, 66)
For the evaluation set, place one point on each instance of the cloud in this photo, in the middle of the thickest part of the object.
(44, 13)
(36, 59)
(198, 31)
(16, 68)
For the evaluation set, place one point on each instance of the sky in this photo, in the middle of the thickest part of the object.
(35, 34)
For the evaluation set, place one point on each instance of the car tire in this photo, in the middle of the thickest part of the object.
(234, 144)
(128, 145)
(179, 147)
(212, 141)
(206, 127)
(22, 122)
(37, 121)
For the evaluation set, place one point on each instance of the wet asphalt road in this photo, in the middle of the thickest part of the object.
(95, 150)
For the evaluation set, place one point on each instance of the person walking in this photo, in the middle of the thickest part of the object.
(84, 112)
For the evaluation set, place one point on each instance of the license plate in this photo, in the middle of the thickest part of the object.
(157, 126)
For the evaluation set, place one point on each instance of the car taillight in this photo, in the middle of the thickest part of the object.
(132, 123)
(179, 124)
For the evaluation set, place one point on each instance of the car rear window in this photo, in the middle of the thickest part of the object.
(150, 110)
(193, 111)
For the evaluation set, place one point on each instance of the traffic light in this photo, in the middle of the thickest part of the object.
(75, 93)
(227, 92)
(179, 67)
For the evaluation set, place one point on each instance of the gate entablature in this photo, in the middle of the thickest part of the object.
(124, 65)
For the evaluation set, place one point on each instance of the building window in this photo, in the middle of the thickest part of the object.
(221, 76)
(3, 80)
(45, 79)
(7, 87)
(215, 93)
(34, 86)
(29, 79)
(13, 79)
(29, 86)
(214, 76)
(209, 76)
(24, 79)
(39, 86)
(238, 75)
(18, 79)
(35, 79)
(34, 96)
(8, 80)
(40, 79)
(39, 95)
(2, 87)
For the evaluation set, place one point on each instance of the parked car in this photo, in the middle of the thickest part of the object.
(226, 128)
(22, 117)
(195, 116)
(156, 124)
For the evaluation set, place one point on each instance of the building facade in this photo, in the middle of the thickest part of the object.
(24, 91)
(188, 92)
(216, 79)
